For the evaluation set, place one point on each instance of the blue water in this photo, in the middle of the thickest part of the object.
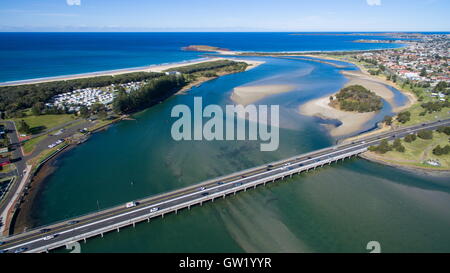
(36, 55)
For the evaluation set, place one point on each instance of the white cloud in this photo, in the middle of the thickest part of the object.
(73, 2)
(374, 2)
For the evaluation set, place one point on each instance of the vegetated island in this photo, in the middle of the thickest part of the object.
(353, 106)
(356, 98)
(207, 48)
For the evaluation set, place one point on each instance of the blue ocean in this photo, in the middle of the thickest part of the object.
(36, 55)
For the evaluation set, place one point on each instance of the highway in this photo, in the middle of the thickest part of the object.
(60, 234)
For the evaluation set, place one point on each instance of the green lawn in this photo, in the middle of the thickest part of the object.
(29, 145)
(44, 122)
(420, 150)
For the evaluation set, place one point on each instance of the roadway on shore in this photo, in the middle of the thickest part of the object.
(117, 217)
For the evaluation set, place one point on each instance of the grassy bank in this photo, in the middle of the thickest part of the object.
(417, 153)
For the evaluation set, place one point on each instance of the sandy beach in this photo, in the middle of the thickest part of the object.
(150, 68)
(249, 94)
(351, 121)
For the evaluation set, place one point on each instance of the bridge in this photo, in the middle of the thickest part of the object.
(78, 229)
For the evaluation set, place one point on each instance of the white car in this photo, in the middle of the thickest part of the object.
(130, 204)
(154, 209)
(201, 188)
(49, 237)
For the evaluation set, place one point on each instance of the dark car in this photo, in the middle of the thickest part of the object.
(73, 222)
(20, 250)
(219, 183)
(205, 193)
(44, 230)
(237, 184)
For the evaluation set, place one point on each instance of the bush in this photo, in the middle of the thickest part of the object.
(444, 129)
(387, 120)
(425, 134)
(397, 145)
(410, 138)
(404, 117)
(438, 150)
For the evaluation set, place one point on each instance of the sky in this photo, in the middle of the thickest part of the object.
(224, 15)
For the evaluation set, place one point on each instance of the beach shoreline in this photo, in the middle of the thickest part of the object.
(151, 68)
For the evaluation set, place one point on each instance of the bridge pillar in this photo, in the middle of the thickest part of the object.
(234, 193)
(148, 220)
(189, 207)
(162, 215)
(223, 196)
(84, 239)
(254, 187)
(245, 189)
(118, 229)
(201, 203)
(101, 234)
(134, 224)
(176, 211)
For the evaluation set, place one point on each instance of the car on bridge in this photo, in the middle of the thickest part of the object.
(49, 237)
(154, 209)
(20, 250)
(44, 230)
(131, 204)
(73, 222)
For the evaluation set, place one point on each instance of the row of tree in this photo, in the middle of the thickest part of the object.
(14, 99)
(151, 93)
(228, 65)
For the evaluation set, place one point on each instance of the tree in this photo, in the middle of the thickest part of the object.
(438, 150)
(37, 108)
(24, 127)
(423, 72)
(410, 138)
(387, 120)
(404, 117)
(444, 129)
(425, 134)
(383, 147)
(84, 112)
(397, 145)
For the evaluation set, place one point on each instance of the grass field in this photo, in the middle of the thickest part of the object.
(419, 151)
(44, 122)
(29, 145)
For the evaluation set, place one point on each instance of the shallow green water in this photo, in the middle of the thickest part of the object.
(338, 208)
